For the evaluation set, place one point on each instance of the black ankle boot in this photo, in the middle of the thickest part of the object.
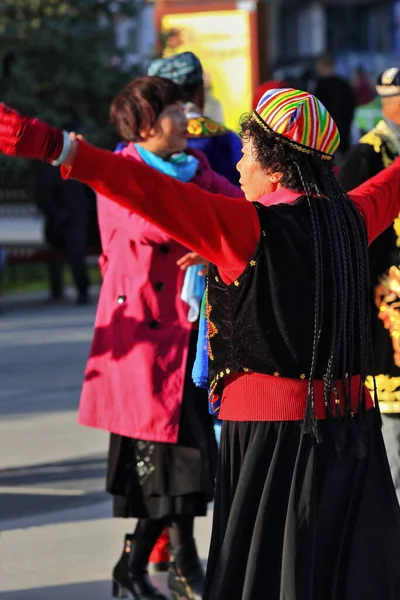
(186, 575)
(132, 579)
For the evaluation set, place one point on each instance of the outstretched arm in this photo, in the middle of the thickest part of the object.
(223, 230)
(378, 200)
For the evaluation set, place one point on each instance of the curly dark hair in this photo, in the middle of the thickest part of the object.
(273, 155)
(337, 225)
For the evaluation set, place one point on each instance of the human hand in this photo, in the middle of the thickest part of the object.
(192, 258)
(27, 137)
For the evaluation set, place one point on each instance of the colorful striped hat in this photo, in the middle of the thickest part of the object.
(299, 119)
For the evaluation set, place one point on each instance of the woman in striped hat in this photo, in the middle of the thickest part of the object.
(305, 507)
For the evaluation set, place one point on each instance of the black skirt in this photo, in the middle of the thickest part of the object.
(293, 520)
(158, 480)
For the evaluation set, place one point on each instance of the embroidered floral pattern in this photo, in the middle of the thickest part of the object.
(388, 392)
(205, 127)
(211, 332)
(144, 454)
(387, 299)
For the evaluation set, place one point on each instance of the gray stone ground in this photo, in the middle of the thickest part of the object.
(58, 540)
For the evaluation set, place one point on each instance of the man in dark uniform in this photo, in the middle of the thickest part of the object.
(375, 151)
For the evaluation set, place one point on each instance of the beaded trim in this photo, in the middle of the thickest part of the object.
(296, 146)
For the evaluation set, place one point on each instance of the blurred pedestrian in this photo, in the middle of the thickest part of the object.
(375, 151)
(65, 206)
(212, 106)
(221, 145)
(363, 90)
(337, 95)
(366, 117)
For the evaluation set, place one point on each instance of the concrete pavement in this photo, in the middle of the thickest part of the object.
(57, 539)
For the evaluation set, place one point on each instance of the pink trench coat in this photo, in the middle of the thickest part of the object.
(135, 373)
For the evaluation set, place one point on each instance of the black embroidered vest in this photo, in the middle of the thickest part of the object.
(264, 321)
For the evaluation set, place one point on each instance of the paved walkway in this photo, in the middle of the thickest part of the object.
(58, 540)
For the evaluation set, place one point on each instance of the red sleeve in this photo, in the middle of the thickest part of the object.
(223, 230)
(378, 200)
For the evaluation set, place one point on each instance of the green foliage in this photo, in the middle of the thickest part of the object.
(65, 66)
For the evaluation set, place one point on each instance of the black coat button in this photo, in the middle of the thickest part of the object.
(121, 299)
(159, 286)
(154, 324)
(164, 248)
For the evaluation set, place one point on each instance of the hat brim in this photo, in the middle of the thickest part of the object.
(387, 91)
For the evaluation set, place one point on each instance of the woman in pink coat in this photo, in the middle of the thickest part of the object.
(138, 378)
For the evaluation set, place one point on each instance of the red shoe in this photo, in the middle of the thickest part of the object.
(159, 557)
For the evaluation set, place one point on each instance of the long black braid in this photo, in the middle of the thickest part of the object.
(340, 249)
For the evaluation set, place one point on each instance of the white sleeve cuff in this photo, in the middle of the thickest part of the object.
(65, 151)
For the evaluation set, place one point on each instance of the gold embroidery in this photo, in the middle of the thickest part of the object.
(303, 376)
(380, 138)
(388, 389)
(372, 139)
(396, 227)
(204, 127)
(387, 299)
(194, 127)
(236, 282)
(216, 279)
(252, 263)
(276, 374)
(227, 371)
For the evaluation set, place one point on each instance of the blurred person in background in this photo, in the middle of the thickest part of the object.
(221, 145)
(366, 117)
(363, 90)
(212, 106)
(65, 206)
(138, 386)
(375, 151)
(337, 95)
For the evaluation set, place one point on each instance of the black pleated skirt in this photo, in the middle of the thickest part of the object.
(157, 480)
(294, 520)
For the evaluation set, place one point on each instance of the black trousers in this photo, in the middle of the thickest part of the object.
(75, 248)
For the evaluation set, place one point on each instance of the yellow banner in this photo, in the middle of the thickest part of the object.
(221, 40)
